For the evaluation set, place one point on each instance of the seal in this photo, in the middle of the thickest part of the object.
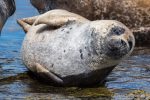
(7, 8)
(66, 49)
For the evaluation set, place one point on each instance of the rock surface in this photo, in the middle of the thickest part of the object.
(7, 8)
(142, 36)
(133, 13)
(68, 50)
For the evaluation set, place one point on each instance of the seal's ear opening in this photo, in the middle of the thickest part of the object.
(24, 25)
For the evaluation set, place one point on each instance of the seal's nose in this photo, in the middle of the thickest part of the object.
(117, 48)
(115, 45)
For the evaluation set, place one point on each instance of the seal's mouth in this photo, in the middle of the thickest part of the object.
(117, 48)
(130, 44)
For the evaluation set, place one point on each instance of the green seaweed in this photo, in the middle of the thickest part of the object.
(90, 92)
(73, 92)
(14, 78)
(78, 92)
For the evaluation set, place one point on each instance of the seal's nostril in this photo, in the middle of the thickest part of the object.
(130, 44)
(114, 45)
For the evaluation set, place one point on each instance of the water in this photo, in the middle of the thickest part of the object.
(132, 74)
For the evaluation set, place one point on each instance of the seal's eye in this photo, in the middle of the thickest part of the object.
(117, 30)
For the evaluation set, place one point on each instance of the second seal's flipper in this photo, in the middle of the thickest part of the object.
(24, 25)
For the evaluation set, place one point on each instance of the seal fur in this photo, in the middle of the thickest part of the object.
(67, 49)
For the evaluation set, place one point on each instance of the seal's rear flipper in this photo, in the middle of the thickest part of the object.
(30, 20)
(24, 25)
(54, 18)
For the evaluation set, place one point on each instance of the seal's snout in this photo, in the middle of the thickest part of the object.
(115, 45)
(117, 48)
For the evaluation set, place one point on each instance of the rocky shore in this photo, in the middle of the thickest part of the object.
(133, 13)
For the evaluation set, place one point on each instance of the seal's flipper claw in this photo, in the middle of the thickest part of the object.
(24, 25)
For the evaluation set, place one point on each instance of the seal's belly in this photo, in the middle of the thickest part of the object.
(63, 55)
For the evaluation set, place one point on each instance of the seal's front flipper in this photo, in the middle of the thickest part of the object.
(24, 25)
(58, 18)
(40, 70)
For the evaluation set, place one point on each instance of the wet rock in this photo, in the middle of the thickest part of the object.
(7, 8)
(141, 51)
(139, 95)
(142, 36)
(133, 13)
(67, 49)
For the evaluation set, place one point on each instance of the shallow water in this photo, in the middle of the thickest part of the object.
(132, 74)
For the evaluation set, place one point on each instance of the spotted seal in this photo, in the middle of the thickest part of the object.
(67, 49)
(7, 8)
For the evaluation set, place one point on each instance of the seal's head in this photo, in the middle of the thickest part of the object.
(115, 39)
